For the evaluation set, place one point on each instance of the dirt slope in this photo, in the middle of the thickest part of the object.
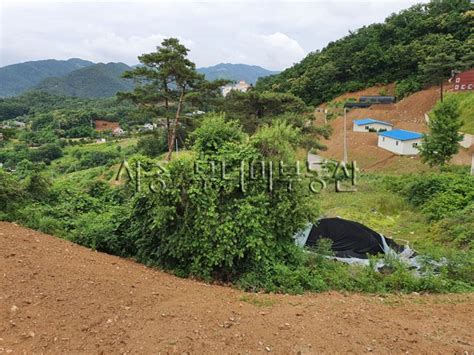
(408, 114)
(57, 297)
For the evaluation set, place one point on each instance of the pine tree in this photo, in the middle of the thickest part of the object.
(442, 142)
(438, 68)
(165, 79)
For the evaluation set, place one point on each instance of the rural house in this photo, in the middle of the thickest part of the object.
(118, 131)
(400, 142)
(241, 86)
(369, 124)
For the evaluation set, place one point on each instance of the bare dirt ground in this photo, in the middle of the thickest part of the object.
(58, 297)
(408, 114)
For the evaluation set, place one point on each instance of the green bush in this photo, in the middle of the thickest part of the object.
(11, 192)
(99, 231)
(209, 227)
(46, 153)
(214, 132)
(407, 87)
(457, 230)
(421, 189)
(154, 144)
(444, 204)
(91, 159)
(277, 141)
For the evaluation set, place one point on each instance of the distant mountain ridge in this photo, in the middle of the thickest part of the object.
(17, 78)
(82, 78)
(94, 81)
(235, 72)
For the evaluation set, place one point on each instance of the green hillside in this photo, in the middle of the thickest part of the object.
(235, 72)
(465, 102)
(380, 53)
(98, 80)
(17, 78)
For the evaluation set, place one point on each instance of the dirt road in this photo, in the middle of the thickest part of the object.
(57, 297)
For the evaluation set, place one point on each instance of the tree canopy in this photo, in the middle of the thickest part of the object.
(381, 53)
(168, 78)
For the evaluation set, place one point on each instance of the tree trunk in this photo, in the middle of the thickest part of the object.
(168, 128)
(441, 91)
(172, 136)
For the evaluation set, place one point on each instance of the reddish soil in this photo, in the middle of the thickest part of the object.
(102, 125)
(57, 297)
(408, 114)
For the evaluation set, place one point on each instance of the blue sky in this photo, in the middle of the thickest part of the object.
(271, 34)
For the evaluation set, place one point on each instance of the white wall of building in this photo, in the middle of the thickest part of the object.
(399, 147)
(365, 128)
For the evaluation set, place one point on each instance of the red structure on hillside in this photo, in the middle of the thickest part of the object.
(464, 81)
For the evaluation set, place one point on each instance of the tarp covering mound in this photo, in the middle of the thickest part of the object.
(350, 239)
(353, 243)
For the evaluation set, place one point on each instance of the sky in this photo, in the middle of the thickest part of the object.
(271, 34)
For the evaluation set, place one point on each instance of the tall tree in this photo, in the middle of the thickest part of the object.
(164, 80)
(442, 142)
(467, 61)
(438, 68)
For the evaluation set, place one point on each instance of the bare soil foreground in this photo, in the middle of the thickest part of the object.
(57, 297)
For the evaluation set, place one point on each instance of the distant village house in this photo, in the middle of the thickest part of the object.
(241, 86)
(118, 131)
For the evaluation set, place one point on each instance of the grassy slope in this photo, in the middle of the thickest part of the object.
(379, 209)
(466, 107)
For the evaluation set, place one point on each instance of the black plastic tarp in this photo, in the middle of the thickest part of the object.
(378, 99)
(349, 239)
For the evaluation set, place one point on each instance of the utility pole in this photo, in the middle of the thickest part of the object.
(345, 135)
(472, 165)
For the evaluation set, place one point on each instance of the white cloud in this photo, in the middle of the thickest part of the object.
(279, 50)
(267, 33)
(123, 48)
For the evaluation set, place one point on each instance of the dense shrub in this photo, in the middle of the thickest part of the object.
(213, 133)
(421, 189)
(457, 230)
(11, 193)
(93, 158)
(407, 87)
(99, 231)
(447, 200)
(207, 226)
(153, 144)
(46, 153)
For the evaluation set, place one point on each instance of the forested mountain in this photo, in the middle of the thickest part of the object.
(98, 80)
(77, 77)
(235, 72)
(380, 53)
(16, 78)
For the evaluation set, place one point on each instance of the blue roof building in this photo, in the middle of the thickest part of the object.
(400, 142)
(366, 121)
(401, 134)
(370, 124)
